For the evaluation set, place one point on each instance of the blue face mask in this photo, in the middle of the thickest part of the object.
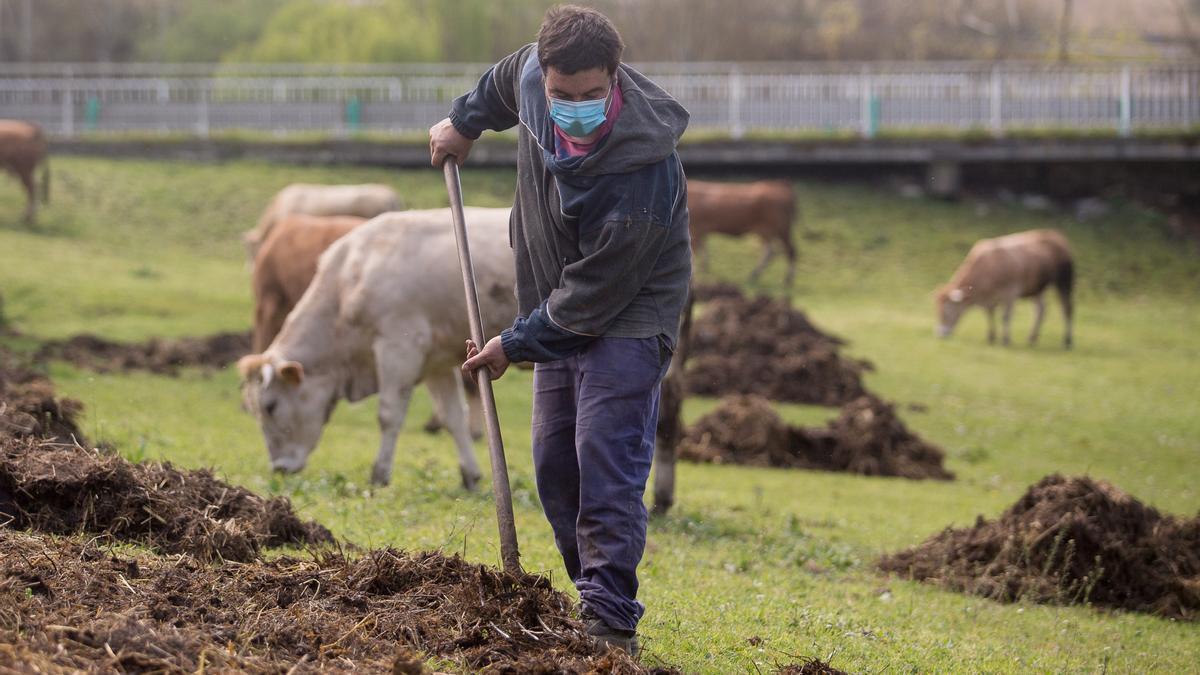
(578, 118)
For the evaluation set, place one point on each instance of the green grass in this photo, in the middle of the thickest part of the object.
(134, 249)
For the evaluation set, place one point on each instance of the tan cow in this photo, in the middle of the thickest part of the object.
(365, 201)
(384, 312)
(999, 271)
(22, 148)
(285, 266)
(765, 208)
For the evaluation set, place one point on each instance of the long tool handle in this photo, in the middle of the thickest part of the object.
(500, 487)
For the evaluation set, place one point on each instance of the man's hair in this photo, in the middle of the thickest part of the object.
(574, 38)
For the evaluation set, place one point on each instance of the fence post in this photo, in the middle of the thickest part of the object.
(1125, 127)
(353, 114)
(68, 106)
(869, 107)
(91, 113)
(202, 122)
(996, 102)
(736, 128)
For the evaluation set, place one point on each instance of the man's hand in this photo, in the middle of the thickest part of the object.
(444, 140)
(492, 356)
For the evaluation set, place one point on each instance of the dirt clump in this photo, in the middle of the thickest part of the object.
(29, 407)
(1068, 540)
(715, 290)
(71, 604)
(161, 356)
(810, 667)
(201, 597)
(762, 346)
(63, 489)
(866, 438)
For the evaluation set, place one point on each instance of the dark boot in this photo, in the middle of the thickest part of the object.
(625, 640)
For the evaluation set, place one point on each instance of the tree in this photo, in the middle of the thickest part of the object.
(205, 32)
(336, 31)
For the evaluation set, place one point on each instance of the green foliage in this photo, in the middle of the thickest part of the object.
(204, 32)
(131, 249)
(337, 32)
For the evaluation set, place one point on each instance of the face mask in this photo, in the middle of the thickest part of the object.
(578, 118)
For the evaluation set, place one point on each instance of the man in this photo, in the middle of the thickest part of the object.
(600, 233)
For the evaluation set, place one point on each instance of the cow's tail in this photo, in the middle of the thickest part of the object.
(45, 181)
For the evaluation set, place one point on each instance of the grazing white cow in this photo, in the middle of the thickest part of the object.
(999, 271)
(365, 201)
(385, 312)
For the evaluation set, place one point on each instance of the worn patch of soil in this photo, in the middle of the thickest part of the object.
(161, 356)
(1069, 540)
(762, 346)
(866, 438)
(71, 604)
(29, 407)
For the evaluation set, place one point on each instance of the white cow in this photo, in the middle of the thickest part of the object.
(385, 312)
(365, 201)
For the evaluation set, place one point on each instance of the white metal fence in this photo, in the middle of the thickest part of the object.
(863, 99)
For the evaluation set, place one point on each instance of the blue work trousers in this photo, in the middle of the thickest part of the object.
(594, 416)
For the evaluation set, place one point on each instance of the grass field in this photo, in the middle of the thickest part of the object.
(130, 250)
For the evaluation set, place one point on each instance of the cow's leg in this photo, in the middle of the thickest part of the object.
(991, 312)
(768, 253)
(399, 369)
(1039, 309)
(1007, 322)
(1064, 297)
(474, 410)
(447, 391)
(666, 438)
(474, 413)
(789, 249)
(269, 316)
(31, 200)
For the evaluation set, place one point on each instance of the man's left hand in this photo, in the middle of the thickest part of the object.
(492, 356)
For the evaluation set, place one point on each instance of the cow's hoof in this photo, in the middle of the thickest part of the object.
(470, 481)
(380, 476)
(477, 435)
(433, 425)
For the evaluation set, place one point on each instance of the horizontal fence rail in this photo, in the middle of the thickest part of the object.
(736, 99)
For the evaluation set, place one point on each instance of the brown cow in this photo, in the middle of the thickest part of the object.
(286, 264)
(766, 208)
(22, 148)
(1001, 270)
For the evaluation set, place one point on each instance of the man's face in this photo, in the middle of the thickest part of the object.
(586, 85)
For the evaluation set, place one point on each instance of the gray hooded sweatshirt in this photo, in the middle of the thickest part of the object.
(601, 240)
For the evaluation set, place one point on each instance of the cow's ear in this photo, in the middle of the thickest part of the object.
(250, 364)
(291, 372)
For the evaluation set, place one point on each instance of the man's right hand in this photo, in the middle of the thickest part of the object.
(444, 140)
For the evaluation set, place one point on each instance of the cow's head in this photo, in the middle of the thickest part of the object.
(291, 408)
(951, 303)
